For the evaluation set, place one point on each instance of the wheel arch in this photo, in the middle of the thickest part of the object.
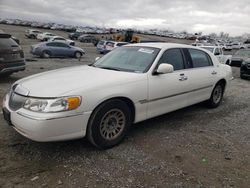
(127, 100)
(222, 81)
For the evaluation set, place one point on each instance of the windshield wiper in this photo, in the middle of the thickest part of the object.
(110, 68)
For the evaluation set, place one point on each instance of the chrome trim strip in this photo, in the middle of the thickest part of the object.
(44, 119)
(174, 95)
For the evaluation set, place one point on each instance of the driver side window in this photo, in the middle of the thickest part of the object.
(173, 57)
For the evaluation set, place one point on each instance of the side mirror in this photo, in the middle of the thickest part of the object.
(165, 68)
(97, 58)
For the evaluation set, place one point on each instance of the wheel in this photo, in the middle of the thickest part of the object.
(109, 124)
(216, 96)
(78, 55)
(46, 54)
(242, 77)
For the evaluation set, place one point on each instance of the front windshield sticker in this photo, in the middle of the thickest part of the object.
(148, 51)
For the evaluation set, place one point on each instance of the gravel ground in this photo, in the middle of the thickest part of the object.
(192, 147)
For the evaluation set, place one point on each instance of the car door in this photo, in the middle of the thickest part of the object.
(64, 49)
(202, 75)
(167, 92)
(52, 48)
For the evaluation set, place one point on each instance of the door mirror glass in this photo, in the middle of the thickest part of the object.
(165, 68)
(97, 58)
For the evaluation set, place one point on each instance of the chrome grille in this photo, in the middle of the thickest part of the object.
(16, 101)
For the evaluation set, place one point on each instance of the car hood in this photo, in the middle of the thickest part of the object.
(61, 82)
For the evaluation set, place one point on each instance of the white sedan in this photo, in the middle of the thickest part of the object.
(62, 39)
(128, 85)
(45, 36)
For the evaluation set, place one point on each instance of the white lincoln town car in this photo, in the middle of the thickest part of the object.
(128, 85)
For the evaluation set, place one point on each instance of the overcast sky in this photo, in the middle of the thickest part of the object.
(207, 16)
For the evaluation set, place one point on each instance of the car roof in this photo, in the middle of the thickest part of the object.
(210, 47)
(163, 45)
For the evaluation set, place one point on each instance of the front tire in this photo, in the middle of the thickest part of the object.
(109, 124)
(216, 96)
(78, 55)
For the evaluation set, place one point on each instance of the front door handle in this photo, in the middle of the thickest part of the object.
(183, 78)
(214, 73)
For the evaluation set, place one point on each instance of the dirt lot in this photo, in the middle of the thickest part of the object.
(192, 147)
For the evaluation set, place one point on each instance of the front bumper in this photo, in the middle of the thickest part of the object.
(45, 127)
(12, 67)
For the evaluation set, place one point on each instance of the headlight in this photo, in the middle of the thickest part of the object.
(243, 63)
(52, 105)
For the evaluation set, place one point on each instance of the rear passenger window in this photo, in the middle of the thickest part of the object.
(173, 57)
(199, 58)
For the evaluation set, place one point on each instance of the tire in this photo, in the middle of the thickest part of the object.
(46, 54)
(242, 77)
(109, 124)
(78, 55)
(216, 95)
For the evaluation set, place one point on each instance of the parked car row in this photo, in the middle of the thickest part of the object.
(47, 36)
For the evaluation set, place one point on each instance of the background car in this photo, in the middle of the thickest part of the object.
(101, 46)
(56, 49)
(32, 33)
(238, 45)
(87, 38)
(239, 57)
(45, 36)
(11, 56)
(61, 39)
(245, 69)
(112, 45)
(75, 35)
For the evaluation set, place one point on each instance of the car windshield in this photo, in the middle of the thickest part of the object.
(243, 53)
(130, 59)
(208, 48)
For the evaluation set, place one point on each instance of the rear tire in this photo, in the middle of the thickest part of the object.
(109, 124)
(216, 96)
